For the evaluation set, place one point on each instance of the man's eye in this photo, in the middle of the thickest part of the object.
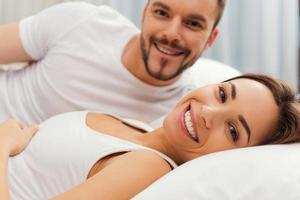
(222, 94)
(234, 133)
(193, 24)
(161, 13)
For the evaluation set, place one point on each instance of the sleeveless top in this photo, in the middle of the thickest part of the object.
(61, 155)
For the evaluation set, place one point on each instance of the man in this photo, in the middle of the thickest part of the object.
(84, 57)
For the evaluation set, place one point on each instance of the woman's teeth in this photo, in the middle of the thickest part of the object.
(189, 125)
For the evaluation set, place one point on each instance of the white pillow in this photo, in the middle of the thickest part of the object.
(257, 173)
(206, 71)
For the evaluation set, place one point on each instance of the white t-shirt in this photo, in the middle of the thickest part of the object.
(61, 155)
(78, 48)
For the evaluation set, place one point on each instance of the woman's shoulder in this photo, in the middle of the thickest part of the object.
(149, 159)
(136, 170)
(140, 158)
(123, 178)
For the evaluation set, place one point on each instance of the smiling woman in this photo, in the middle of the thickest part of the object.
(220, 117)
(91, 155)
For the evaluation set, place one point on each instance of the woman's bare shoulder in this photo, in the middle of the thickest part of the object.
(147, 157)
(134, 171)
(124, 177)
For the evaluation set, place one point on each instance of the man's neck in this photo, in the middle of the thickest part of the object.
(133, 62)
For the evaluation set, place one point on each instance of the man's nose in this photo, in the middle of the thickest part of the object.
(173, 29)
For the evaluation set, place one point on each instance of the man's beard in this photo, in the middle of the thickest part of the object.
(163, 62)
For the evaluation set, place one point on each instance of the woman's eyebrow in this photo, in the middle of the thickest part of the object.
(233, 90)
(241, 118)
(246, 126)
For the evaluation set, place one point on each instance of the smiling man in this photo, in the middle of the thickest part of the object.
(87, 57)
(174, 35)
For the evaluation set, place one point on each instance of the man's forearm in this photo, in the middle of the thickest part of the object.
(4, 191)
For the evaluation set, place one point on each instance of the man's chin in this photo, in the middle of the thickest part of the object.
(165, 73)
(163, 77)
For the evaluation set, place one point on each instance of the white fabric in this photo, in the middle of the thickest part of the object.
(257, 173)
(206, 71)
(79, 47)
(61, 155)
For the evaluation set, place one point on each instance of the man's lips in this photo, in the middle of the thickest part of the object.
(168, 51)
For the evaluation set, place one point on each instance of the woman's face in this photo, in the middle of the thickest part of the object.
(218, 117)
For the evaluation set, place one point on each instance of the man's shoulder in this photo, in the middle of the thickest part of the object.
(80, 9)
(71, 7)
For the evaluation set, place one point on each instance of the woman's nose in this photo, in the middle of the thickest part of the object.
(210, 115)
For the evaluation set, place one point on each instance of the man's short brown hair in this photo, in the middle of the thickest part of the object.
(220, 10)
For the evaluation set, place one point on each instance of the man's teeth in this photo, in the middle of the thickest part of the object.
(189, 125)
(168, 52)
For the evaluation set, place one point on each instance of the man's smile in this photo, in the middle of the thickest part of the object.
(167, 50)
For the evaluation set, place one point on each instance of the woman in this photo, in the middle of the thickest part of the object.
(85, 155)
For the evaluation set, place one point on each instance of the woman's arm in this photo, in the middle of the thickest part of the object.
(4, 194)
(14, 137)
(126, 176)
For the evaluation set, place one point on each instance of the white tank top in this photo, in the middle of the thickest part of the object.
(61, 155)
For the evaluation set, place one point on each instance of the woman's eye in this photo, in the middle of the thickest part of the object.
(233, 133)
(222, 94)
(161, 13)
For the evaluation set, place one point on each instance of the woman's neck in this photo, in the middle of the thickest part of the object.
(157, 140)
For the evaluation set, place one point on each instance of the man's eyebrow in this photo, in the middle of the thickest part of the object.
(198, 17)
(246, 126)
(233, 90)
(162, 5)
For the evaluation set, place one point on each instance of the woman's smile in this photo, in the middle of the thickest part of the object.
(187, 123)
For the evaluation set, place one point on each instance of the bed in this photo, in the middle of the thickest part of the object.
(256, 173)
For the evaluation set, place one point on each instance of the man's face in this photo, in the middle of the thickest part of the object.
(174, 35)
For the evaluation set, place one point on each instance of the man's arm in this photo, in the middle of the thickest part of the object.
(11, 49)
(125, 177)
